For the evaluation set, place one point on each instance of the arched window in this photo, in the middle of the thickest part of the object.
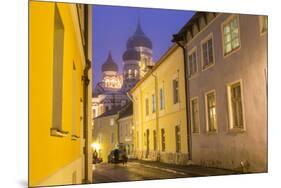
(129, 73)
(136, 73)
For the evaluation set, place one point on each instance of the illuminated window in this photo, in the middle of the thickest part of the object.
(195, 115)
(208, 52)
(235, 106)
(211, 111)
(112, 121)
(231, 36)
(136, 73)
(192, 63)
(130, 73)
(58, 49)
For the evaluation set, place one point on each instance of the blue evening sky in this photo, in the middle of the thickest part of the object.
(113, 25)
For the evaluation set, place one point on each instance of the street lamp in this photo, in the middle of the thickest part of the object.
(96, 146)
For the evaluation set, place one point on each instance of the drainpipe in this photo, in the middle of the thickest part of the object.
(157, 115)
(178, 39)
(86, 82)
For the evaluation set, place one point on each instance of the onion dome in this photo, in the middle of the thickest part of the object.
(109, 64)
(139, 39)
(131, 54)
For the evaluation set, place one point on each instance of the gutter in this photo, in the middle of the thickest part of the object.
(86, 82)
(157, 115)
(181, 38)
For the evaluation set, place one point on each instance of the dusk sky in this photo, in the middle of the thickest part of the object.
(113, 25)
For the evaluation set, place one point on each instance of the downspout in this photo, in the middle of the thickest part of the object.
(86, 82)
(157, 116)
(178, 39)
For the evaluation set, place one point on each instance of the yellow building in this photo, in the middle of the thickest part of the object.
(59, 93)
(159, 114)
(105, 133)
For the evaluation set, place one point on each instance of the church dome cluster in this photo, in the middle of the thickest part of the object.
(109, 64)
(139, 39)
(131, 54)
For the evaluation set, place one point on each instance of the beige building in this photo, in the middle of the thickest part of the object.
(227, 84)
(126, 128)
(159, 114)
(105, 133)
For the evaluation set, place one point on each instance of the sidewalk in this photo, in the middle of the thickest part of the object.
(193, 170)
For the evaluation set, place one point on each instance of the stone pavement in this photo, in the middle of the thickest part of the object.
(194, 170)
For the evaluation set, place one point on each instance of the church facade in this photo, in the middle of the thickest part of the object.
(111, 91)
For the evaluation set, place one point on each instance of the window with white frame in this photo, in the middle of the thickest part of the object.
(263, 24)
(58, 52)
(211, 112)
(192, 62)
(231, 37)
(161, 96)
(208, 52)
(195, 115)
(153, 103)
(235, 105)
(146, 107)
(175, 91)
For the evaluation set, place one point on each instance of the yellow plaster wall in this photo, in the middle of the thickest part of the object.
(48, 154)
(172, 115)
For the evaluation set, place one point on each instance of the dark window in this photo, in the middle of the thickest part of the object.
(178, 139)
(163, 139)
(57, 70)
(175, 91)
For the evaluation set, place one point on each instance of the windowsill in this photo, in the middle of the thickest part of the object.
(196, 133)
(58, 133)
(262, 33)
(212, 132)
(208, 67)
(176, 107)
(194, 75)
(161, 112)
(236, 130)
(232, 52)
(74, 137)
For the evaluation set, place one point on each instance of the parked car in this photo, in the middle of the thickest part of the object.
(117, 156)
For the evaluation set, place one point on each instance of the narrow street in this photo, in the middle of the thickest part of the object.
(132, 171)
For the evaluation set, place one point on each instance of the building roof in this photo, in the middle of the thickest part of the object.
(110, 112)
(126, 111)
(109, 64)
(139, 39)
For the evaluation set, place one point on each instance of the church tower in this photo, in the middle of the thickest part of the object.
(111, 80)
(136, 58)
